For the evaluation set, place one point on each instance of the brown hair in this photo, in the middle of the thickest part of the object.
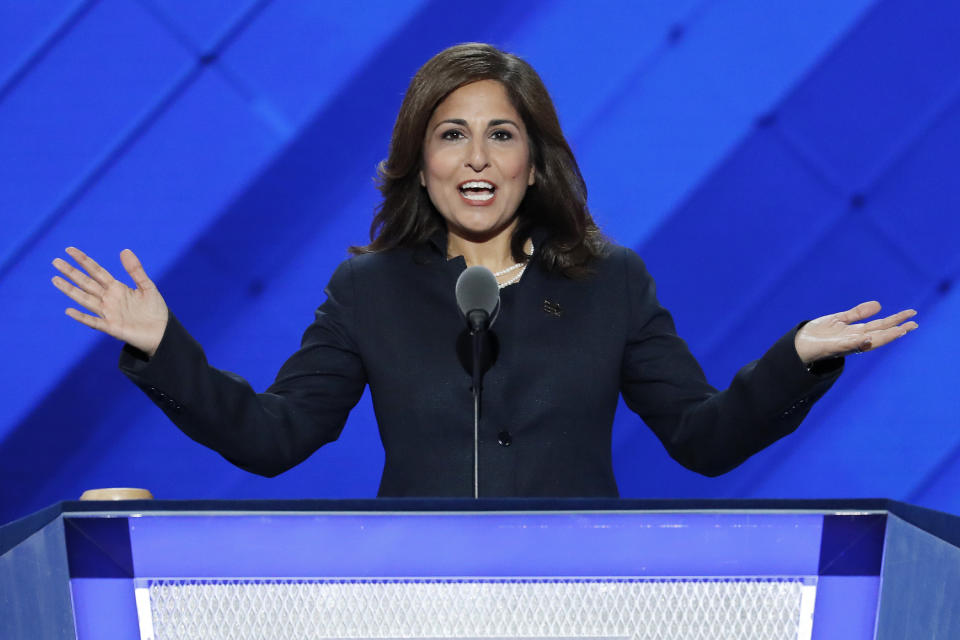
(557, 201)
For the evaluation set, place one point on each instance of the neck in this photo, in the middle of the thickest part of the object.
(493, 252)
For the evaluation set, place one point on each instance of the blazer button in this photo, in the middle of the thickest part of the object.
(504, 439)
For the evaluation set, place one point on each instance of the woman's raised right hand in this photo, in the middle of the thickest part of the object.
(136, 316)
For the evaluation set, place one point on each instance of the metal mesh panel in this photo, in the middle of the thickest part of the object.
(471, 608)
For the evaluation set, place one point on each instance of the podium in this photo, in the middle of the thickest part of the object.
(398, 568)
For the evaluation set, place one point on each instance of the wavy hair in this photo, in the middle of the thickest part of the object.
(557, 201)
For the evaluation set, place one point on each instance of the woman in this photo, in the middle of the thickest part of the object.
(479, 173)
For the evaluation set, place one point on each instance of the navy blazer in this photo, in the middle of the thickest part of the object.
(567, 349)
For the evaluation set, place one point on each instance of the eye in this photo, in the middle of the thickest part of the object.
(502, 135)
(452, 134)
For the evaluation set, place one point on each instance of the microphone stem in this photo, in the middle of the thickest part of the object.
(477, 336)
(476, 445)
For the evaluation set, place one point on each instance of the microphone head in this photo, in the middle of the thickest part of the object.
(477, 289)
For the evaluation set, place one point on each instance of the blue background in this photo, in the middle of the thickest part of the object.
(772, 162)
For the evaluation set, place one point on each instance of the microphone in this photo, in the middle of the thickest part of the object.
(478, 296)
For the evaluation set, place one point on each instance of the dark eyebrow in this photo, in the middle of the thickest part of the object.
(456, 121)
(463, 123)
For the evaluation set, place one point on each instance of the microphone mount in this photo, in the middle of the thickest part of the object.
(478, 296)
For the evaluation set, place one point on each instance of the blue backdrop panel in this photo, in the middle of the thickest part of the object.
(298, 55)
(916, 202)
(25, 30)
(749, 54)
(940, 482)
(875, 92)
(62, 120)
(614, 46)
(201, 26)
(674, 121)
(665, 142)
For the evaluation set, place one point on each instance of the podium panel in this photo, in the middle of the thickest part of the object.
(509, 608)
(467, 569)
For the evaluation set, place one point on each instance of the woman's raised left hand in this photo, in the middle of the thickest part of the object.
(843, 333)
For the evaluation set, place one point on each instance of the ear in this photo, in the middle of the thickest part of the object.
(423, 181)
(533, 176)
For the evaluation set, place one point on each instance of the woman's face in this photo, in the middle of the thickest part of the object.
(476, 161)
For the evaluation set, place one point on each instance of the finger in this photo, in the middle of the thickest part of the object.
(132, 264)
(78, 295)
(84, 281)
(890, 321)
(94, 322)
(859, 312)
(885, 336)
(98, 273)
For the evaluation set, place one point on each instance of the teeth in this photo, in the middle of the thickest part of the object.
(478, 195)
(476, 184)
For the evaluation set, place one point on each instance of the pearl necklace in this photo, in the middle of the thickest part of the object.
(522, 266)
(514, 279)
(509, 269)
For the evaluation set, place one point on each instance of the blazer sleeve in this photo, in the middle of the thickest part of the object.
(707, 430)
(265, 433)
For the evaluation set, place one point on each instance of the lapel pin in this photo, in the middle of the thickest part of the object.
(552, 308)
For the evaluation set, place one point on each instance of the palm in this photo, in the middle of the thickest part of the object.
(136, 316)
(842, 333)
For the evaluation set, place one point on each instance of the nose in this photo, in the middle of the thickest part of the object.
(477, 155)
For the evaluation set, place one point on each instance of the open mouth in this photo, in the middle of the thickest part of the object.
(478, 190)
